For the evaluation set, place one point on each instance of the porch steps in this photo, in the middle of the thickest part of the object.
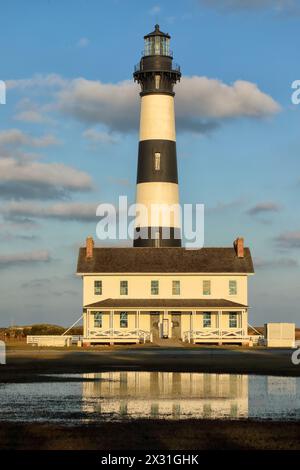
(169, 343)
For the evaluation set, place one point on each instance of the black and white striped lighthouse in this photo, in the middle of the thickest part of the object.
(157, 179)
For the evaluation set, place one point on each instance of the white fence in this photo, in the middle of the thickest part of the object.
(215, 334)
(112, 335)
(50, 340)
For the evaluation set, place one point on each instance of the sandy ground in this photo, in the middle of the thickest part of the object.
(26, 363)
(148, 435)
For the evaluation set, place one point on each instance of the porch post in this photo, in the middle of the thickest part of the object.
(193, 324)
(88, 323)
(112, 327)
(84, 324)
(220, 327)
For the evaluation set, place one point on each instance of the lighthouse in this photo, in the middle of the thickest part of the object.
(158, 224)
(158, 289)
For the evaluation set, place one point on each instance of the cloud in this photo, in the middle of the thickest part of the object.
(261, 263)
(289, 240)
(32, 112)
(24, 258)
(30, 115)
(8, 236)
(202, 97)
(92, 102)
(276, 6)
(37, 81)
(83, 42)
(264, 207)
(99, 137)
(201, 103)
(40, 180)
(18, 138)
(62, 211)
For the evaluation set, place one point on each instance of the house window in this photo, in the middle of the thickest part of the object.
(157, 161)
(98, 287)
(206, 287)
(232, 320)
(157, 81)
(176, 287)
(206, 320)
(232, 287)
(123, 320)
(154, 287)
(123, 287)
(98, 319)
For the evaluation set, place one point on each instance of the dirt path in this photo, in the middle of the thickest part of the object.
(25, 364)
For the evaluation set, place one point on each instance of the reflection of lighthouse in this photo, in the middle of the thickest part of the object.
(157, 181)
(167, 395)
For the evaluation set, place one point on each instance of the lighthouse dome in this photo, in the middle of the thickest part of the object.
(157, 43)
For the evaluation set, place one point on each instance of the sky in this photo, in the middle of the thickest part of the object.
(69, 138)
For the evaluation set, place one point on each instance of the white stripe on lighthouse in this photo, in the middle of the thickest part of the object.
(156, 197)
(157, 117)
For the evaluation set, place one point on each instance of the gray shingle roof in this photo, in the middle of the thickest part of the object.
(164, 260)
(168, 303)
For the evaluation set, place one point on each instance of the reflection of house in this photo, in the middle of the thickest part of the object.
(166, 395)
(157, 289)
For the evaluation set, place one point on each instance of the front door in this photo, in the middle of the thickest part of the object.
(154, 325)
(165, 332)
(176, 325)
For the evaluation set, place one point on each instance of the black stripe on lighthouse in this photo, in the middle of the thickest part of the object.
(157, 161)
(168, 236)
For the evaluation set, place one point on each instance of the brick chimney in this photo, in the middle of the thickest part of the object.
(89, 247)
(239, 247)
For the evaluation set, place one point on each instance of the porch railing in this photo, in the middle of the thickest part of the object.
(214, 333)
(112, 334)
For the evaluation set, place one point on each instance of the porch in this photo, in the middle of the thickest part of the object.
(216, 321)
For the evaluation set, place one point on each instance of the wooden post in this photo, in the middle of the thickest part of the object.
(112, 327)
(193, 324)
(220, 327)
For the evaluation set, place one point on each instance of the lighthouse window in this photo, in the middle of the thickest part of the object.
(157, 161)
(157, 81)
(157, 45)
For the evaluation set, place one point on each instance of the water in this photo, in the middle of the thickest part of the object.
(115, 396)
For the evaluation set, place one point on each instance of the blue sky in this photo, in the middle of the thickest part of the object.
(69, 136)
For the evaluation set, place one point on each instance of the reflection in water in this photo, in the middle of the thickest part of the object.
(166, 395)
(80, 398)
